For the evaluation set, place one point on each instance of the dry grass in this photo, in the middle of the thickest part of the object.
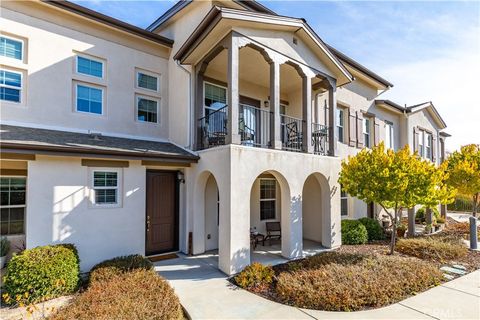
(436, 249)
(347, 282)
(139, 294)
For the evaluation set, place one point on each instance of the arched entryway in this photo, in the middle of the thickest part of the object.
(212, 214)
(315, 213)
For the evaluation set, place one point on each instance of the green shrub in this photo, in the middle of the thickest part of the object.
(354, 232)
(349, 282)
(138, 294)
(420, 215)
(374, 229)
(106, 269)
(42, 273)
(436, 249)
(4, 246)
(255, 275)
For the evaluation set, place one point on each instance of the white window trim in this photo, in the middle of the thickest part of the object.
(268, 199)
(346, 199)
(12, 87)
(390, 128)
(102, 61)
(148, 73)
(340, 109)
(369, 133)
(158, 100)
(23, 48)
(90, 85)
(119, 188)
(216, 85)
(19, 205)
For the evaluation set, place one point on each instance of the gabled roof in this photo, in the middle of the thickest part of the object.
(27, 139)
(391, 105)
(180, 5)
(107, 20)
(349, 61)
(216, 14)
(413, 109)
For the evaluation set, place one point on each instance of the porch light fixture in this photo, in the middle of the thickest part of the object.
(181, 177)
(266, 103)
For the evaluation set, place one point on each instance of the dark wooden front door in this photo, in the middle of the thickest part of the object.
(162, 212)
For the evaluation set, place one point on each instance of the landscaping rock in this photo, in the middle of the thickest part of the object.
(452, 270)
(459, 266)
(448, 276)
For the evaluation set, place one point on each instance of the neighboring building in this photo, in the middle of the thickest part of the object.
(218, 118)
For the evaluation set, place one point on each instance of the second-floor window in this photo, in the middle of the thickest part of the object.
(10, 86)
(389, 138)
(147, 81)
(340, 124)
(366, 132)
(421, 148)
(11, 48)
(89, 99)
(147, 110)
(89, 67)
(428, 146)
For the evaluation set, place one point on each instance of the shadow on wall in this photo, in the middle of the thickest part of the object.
(240, 259)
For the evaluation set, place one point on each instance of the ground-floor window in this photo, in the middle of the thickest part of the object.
(268, 200)
(343, 203)
(105, 186)
(13, 200)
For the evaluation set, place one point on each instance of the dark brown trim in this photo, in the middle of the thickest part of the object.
(284, 102)
(86, 152)
(16, 156)
(112, 22)
(13, 172)
(165, 163)
(105, 163)
(215, 81)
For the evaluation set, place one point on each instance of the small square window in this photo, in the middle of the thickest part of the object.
(105, 187)
(89, 67)
(147, 110)
(89, 99)
(11, 48)
(147, 81)
(10, 86)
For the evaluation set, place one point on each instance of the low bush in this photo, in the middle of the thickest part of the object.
(374, 229)
(41, 273)
(437, 248)
(139, 294)
(254, 276)
(420, 215)
(346, 282)
(109, 268)
(354, 232)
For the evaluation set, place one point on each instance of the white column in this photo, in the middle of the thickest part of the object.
(275, 138)
(233, 93)
(307, 114)
(291, 222)
(332, 120)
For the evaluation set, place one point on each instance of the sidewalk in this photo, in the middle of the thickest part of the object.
(206, 294)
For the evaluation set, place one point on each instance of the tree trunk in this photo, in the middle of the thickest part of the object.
(475, 202)
(411, 222)
(394, 232)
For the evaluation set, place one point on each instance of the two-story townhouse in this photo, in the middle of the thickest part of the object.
(219, 118)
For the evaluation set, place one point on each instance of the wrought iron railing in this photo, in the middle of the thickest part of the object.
(254, 126)
(213, 128)
(320, 134)
(292, 133)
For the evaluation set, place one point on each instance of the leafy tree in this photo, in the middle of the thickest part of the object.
(464, 173)
(394, 180)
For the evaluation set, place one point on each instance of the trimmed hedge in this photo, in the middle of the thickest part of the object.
(119, 265)
(138, 294)
(374, 229)
(42, 273)
(436, 249)
(354, 232)
(348, 282)
(255, 275)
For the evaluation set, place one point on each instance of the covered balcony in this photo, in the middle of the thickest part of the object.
(251, 95)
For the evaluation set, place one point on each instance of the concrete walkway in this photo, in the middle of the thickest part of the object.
(206, 294)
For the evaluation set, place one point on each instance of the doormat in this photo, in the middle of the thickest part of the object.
(162, 257)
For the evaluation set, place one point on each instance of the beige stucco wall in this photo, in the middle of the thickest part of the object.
(49, 75)
(424, 120)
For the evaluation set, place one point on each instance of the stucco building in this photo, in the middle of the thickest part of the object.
(220, 117)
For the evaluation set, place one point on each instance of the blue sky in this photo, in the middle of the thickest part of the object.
(430, 50)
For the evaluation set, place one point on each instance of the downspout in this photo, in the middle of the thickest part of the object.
(190, 147)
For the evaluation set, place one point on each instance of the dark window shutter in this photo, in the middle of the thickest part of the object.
(416, 137)
(376, 131)
(360, 139)
(434, 148)
(352, 132)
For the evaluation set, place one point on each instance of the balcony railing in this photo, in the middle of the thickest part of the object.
(292, 133)
(254, 126)
(213, 128)
(320, 139)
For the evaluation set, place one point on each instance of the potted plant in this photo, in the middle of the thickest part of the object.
(401, 229)
(4, 250)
